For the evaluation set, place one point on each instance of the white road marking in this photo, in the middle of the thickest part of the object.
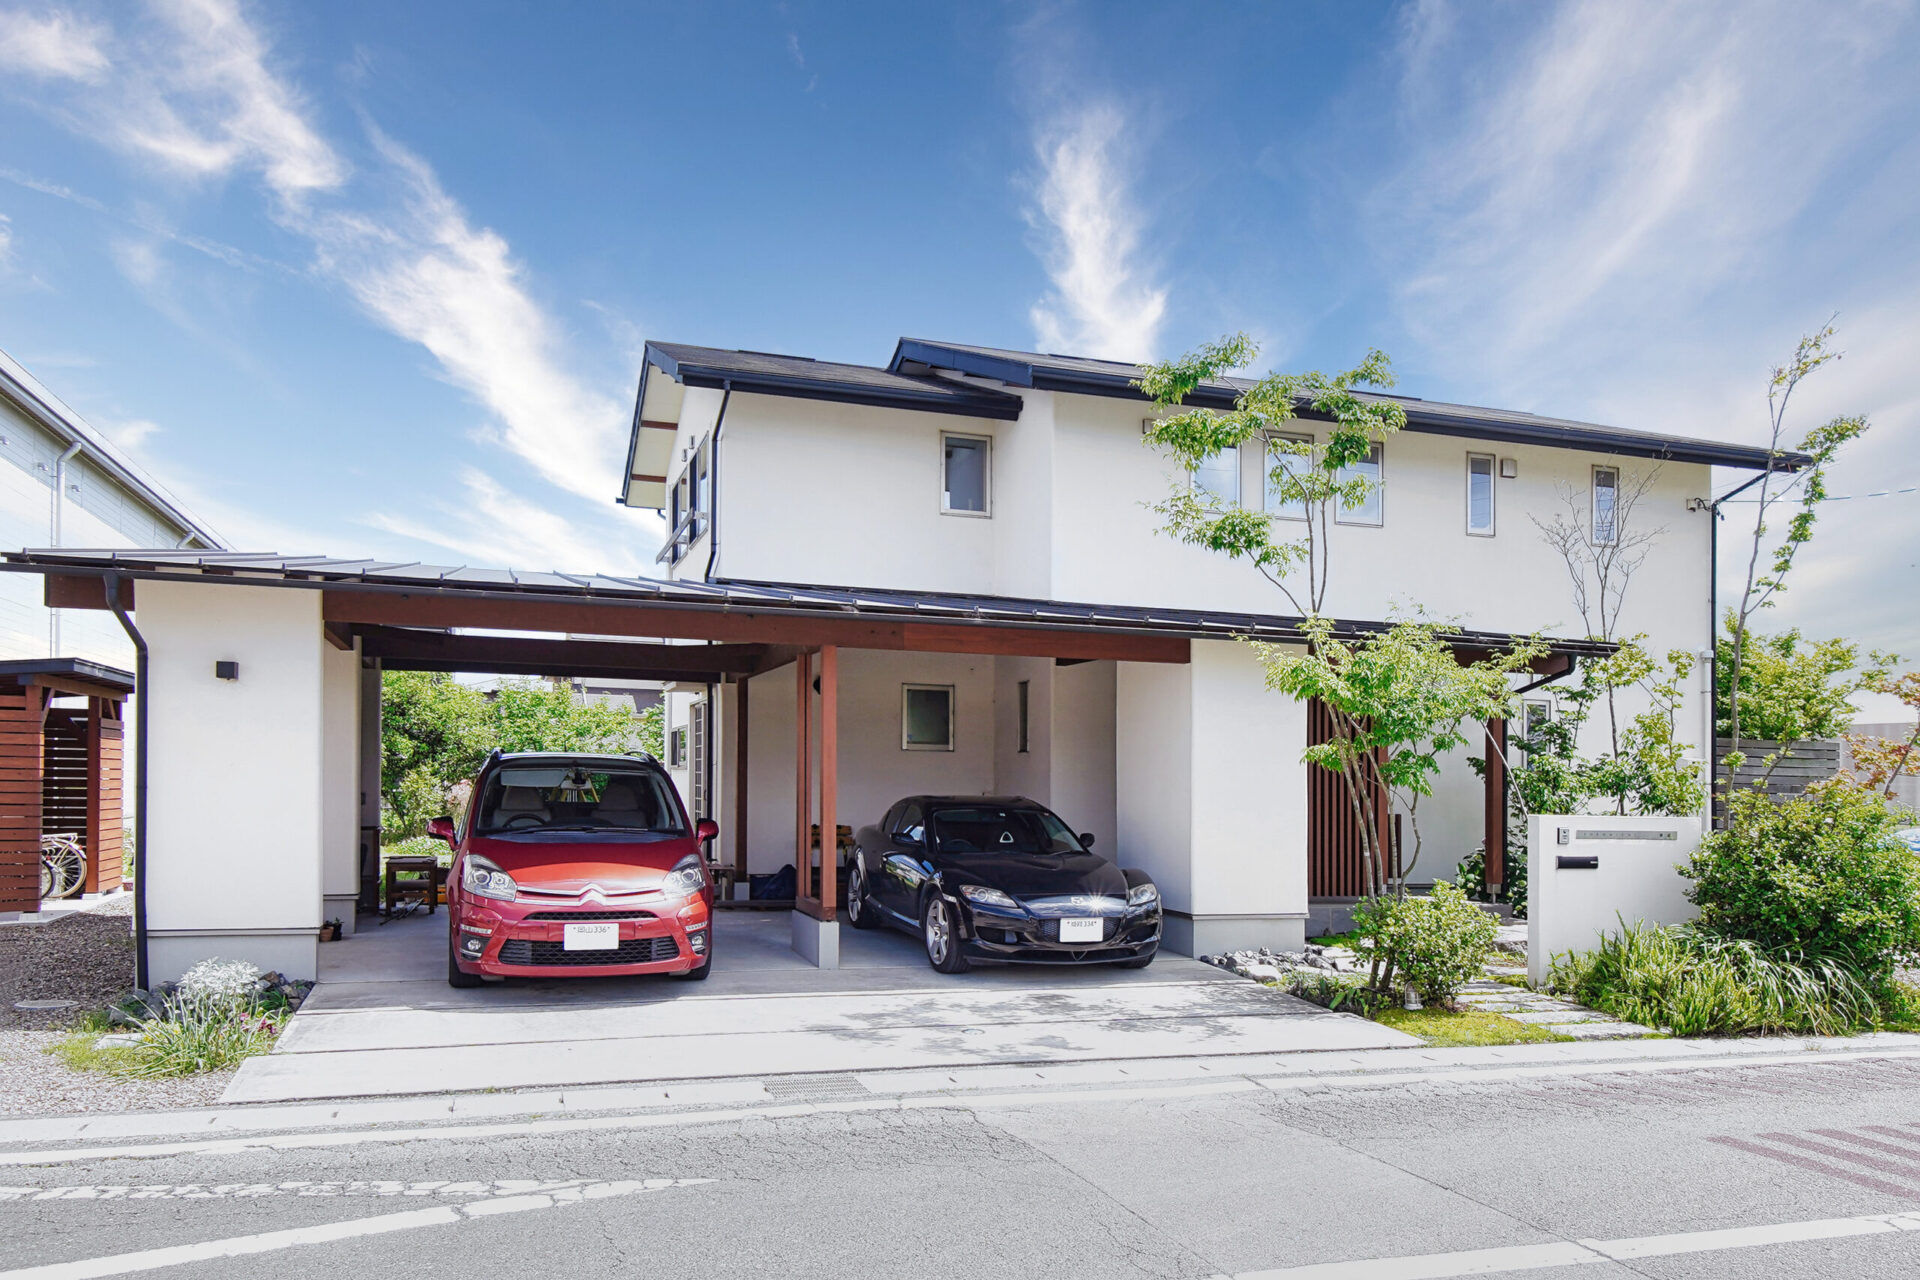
(1573, 1253)
(377, 1189)
(590, 1124)
(386, 1223)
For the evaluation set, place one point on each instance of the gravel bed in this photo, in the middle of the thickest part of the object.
(87, 957)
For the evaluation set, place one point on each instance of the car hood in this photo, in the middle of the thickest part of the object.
(613, 866)
(1034, 875)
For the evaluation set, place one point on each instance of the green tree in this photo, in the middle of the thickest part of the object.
(536, 716)
(651, 726)
(1788, 688)
(1762, 586)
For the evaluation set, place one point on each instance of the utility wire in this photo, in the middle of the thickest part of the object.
(1837, 497)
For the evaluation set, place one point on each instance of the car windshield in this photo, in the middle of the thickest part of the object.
(562, 797)
(994, 829)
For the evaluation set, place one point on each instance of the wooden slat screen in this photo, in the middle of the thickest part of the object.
(1336, 850)
(21, 712)
(63, 774)
(106, 823)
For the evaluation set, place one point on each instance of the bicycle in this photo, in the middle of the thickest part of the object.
(63, 866)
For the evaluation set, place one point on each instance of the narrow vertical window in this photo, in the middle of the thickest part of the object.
(1606, 511)
(1480, 494)
(1217, 479)
(1022, 730)
(1280, 467)
(964, 474)
(1373, 510)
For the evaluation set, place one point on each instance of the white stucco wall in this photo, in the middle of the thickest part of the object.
(1082, 735)
(340, 780)
(236, 817)
(1153, 740)
(1029, 773)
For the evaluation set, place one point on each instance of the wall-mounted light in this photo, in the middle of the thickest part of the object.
(226, 671)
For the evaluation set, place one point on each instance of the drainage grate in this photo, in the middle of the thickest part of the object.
(822, 1088)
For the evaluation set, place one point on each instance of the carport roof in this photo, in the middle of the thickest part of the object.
(466, 582)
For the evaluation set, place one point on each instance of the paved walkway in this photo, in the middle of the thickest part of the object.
(383, 1021)
(1563, 1017)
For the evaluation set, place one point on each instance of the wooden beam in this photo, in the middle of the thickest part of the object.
(77, 685)
(802, 779)
(650, 425)
(402, 649)
(1494, 860)
(667, 621)
(338, 634)
(78, 591)
(829, 778)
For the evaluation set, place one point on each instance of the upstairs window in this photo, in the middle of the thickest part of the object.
(1480, 494)
(1373, 510)
(1286, 464)
(1606, 508)
(965, 472)
(1216, 481)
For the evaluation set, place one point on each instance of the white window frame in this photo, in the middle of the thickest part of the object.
(986, 476)
(1342, 515)
(1593, 502)
(952, 710)
(1267, 455)
(1023, 693)
(1527, 707)
(1210, 500)
(1493, 495)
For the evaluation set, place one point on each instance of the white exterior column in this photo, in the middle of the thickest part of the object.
(340, 782)
(236, 770)
(1212, 798)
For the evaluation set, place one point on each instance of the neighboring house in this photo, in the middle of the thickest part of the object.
(1906, 788)
(974, 472)
(62, 484)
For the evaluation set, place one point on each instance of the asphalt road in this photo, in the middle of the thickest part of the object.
(1729, 1163)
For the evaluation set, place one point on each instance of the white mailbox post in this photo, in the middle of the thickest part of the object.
(1586, 875)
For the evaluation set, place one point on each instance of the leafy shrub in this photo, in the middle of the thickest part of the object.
(1436, 944)
(1471, 873)
(1695, 983)
(1340, 992)
(1820, 875)
(218, 980)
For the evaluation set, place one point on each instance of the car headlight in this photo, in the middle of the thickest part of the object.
(688, 877)
(980, 895)
(482, 879)
(1143, 895)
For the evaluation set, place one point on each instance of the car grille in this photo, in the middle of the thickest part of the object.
(590, 915)
(1050, 930)
(631, 951)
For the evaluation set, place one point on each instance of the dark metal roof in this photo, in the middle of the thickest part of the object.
(823, 380)
(758, 597)
(1114, 378)
(74, 668)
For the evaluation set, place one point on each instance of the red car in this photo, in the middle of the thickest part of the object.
(571, 864)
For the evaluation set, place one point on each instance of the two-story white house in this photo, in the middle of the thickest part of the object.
(940, 575)
(958, 471)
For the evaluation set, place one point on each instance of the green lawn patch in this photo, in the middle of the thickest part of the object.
(1336, 940)
(1442, 1028)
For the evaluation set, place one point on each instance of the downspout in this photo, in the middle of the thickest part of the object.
(59, 513)
(713, 500)
(141, 700)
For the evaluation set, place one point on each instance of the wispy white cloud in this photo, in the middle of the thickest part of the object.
(1104, 301)
(496, 526)
(195, 90)
(54, 45)
(6, 240)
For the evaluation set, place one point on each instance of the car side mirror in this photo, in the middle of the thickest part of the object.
(706, 829)
(441, 829)
(907, 837)
(1086, 838)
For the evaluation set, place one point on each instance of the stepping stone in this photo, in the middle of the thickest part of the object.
(1562, 1017)
(44, 1006)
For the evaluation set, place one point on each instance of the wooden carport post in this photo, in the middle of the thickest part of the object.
(106, 838)
(740, 780)
(829, 779)
(1494, 861)
(802, 779)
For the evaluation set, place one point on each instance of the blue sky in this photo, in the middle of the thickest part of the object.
(373, 278)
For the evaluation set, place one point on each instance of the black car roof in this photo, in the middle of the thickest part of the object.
(1010, 802)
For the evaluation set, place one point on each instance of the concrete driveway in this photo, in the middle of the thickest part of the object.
(383, 1020)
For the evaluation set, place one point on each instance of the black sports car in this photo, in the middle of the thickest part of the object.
(1000, 880)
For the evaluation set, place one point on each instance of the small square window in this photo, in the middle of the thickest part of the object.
(1217, 479)
(965, 474)
(677, 748)
(1373, 510)
(1480, 494)
(926, 717)
(1025, 699)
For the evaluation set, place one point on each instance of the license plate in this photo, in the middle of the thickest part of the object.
(1080, 931)
(594, 936)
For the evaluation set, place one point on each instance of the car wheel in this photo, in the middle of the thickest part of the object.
(458, 977)
(1139, 962)
(860, 913)
(940, 930)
